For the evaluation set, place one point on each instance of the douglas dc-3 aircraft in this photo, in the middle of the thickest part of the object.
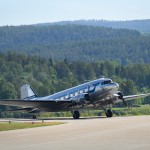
(97, 94)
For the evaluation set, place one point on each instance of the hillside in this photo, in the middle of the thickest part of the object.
(140, 25)
(77, 43)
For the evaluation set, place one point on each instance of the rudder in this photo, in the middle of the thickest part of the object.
(27, 92)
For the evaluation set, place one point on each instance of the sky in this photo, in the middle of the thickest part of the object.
(23, 12)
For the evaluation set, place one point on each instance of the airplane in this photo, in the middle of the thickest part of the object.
(101, 93)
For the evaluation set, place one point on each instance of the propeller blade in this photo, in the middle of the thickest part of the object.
(124, 102)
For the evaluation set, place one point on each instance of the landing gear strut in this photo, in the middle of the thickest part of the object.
(109, 113)
(76, 114)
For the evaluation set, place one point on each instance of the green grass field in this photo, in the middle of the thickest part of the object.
(4, 126)
(124, 111)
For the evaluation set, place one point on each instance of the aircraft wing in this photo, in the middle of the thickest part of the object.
(42, 105)
(130, 97)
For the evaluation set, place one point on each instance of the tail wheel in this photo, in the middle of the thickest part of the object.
(109, 113)
(76, 114)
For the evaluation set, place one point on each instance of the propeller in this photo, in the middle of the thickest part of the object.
(124, 102)
(121, 97)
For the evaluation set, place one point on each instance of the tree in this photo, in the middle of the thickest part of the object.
(8, 91)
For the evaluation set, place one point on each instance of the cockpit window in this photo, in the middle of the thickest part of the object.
(106, 82)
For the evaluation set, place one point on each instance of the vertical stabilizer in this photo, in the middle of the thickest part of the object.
(27, 92)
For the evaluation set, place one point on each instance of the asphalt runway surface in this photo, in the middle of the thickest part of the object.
(118, 133)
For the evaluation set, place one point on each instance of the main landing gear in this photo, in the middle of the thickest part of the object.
(76, 114)
(109, 113)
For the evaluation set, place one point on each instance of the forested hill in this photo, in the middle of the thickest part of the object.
(47, 77)
(140, 25)
(76, 43)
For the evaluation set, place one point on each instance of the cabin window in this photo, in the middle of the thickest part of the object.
(62, 98)
(106, 82)
(97, 85)
(86, 90)
(91, 88)
(81, 91)
(71, 95)
(67, 96)
(76, 93)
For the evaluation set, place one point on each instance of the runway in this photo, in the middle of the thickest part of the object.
(124, 133)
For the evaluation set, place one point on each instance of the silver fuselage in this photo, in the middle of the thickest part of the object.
(99, 90)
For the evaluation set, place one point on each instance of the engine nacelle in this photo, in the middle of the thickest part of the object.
(81, 98)
(119, 95)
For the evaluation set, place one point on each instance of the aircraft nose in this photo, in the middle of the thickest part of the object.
(117, 85)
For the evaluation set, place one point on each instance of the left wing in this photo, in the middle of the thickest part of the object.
(43, 105)
(48, 105)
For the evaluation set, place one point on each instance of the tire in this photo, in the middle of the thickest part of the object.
(76, 114)
(109, 113)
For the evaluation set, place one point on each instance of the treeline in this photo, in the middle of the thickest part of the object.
(76, 43)
(18, 36)
(47, 77)
(140, 25)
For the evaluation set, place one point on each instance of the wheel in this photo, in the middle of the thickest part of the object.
(34, 116)
(76, 114)
(109, 113)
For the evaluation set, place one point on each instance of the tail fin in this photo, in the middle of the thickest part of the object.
(27, 92)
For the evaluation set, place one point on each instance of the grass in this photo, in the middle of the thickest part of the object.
(134, 111)
(124, 111)
(4, 126)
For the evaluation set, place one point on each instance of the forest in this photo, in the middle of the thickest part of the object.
(82, 43)
(47, 77)
(139, 25)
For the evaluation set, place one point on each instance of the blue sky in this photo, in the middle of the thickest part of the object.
(17, 12)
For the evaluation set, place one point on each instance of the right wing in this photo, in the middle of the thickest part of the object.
(131, 97)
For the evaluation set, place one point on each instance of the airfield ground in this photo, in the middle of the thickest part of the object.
(125, 133)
